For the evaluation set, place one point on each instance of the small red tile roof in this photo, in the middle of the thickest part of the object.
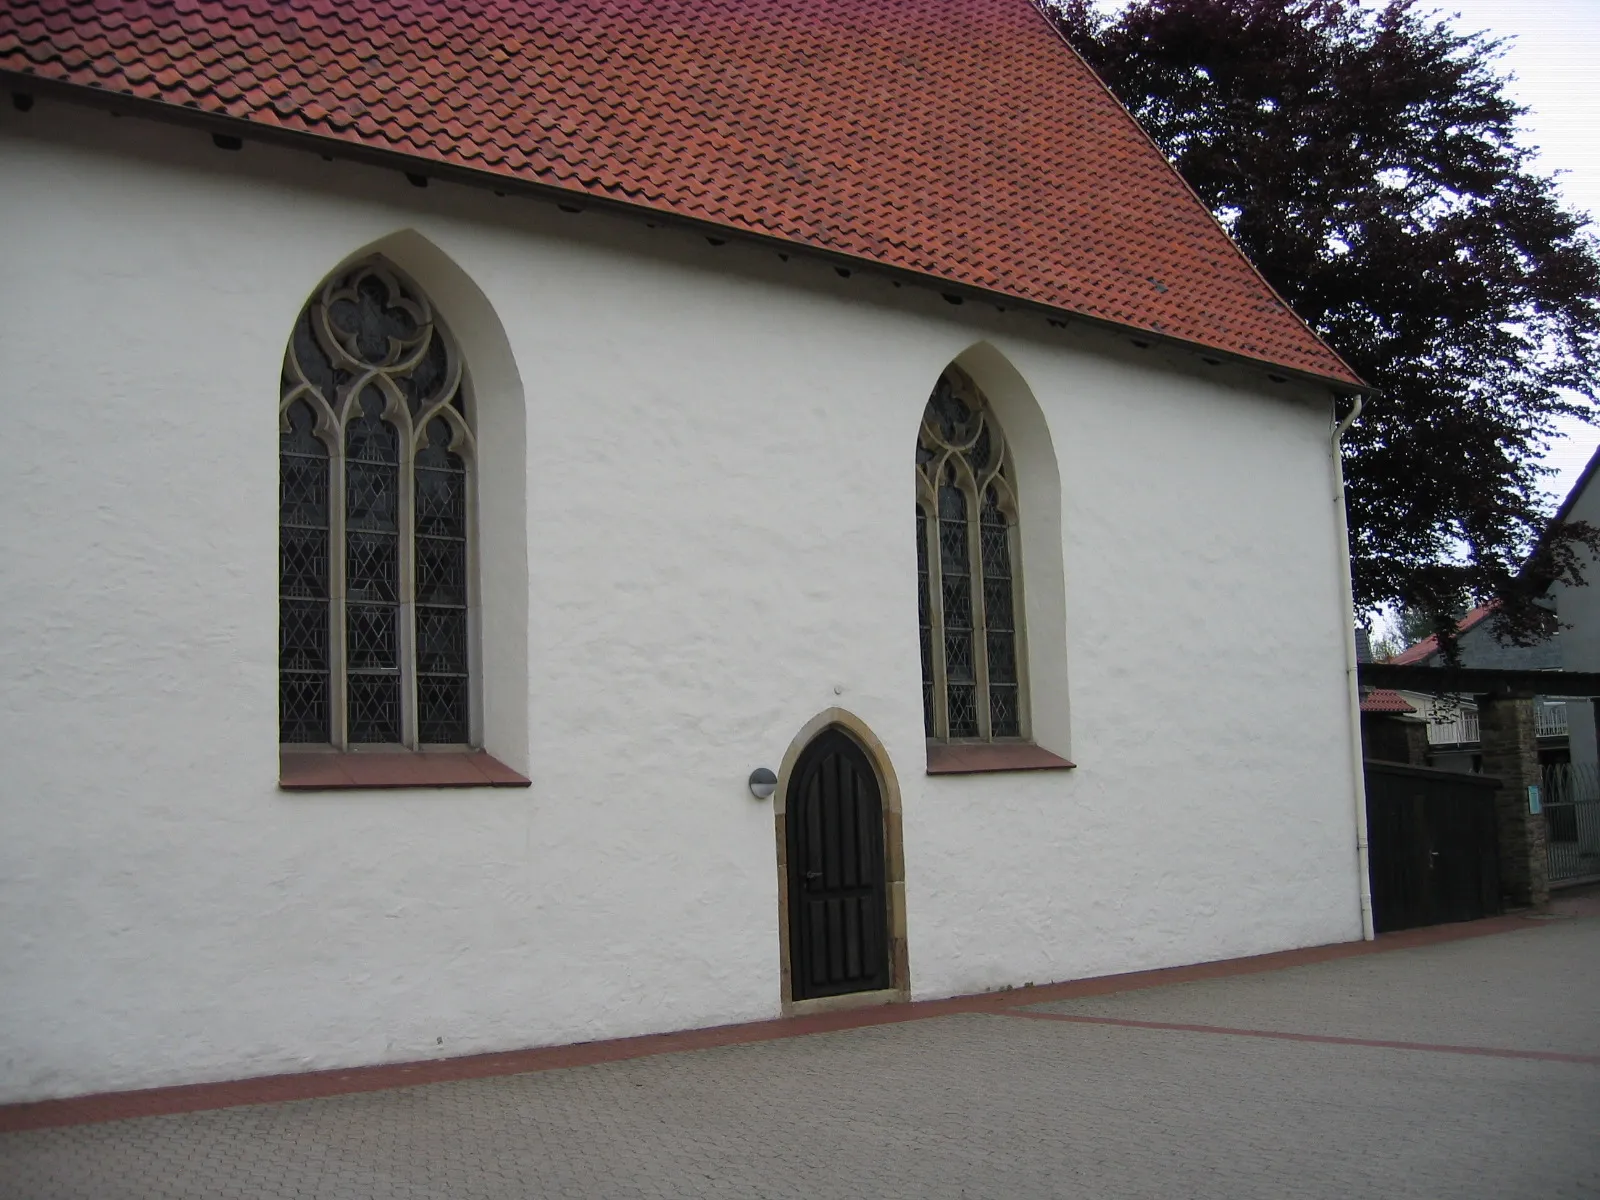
(1429, 646)
(1382, 700)
(958, 139)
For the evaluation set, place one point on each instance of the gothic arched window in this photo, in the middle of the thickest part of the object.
(374, 524)
(972, 685)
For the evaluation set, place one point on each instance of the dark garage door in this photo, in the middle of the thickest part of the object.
(1432, 846)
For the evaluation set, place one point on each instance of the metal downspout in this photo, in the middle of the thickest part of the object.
(1352, 682)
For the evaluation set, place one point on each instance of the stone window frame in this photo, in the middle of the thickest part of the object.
(999, 474)
(412, 431)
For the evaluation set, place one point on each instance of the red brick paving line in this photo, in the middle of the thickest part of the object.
(1322, 1038)
(272, 1089)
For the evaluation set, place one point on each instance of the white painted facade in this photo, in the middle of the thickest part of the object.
(696, 514)
(1579, 610)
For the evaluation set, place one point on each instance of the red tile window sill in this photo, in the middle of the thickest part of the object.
(315, 771)
(956, 758)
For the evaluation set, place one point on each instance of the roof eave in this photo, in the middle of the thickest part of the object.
(1040, 7)
(412, 164)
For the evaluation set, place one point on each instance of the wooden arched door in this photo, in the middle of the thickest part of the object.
(838, 890)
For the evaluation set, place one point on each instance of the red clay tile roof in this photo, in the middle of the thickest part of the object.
(959, 139)
(1429, 646)
(1382, 700)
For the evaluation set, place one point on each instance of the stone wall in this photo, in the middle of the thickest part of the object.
(1511, 754)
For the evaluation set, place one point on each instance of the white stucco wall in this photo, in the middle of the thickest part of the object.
(1579, 610)
(709, 459)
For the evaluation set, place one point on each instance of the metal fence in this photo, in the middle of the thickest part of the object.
(1572, 820)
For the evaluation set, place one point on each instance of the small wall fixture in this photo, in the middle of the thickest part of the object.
(762, 783)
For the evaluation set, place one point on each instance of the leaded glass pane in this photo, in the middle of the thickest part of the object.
(316, 368)
(997, 605)
(372, 562)
(441, 491)
(999, 617)
(442, 709)
(372, 643)
(303, 635)
(422, 385)
(1002, 649)
(303, 562)
(963, 710)
(441, 546)
(372, 491)
(369, 324)
(441, 571)
(948, 411)
(368, 437)
(953, 547)
(958, 664)
(953, 507)
(994, 544)
(303, 490)
(372, 571)
(442, 673)
(303, 710)
(925, 621)
(1004, 718)
(372, 500)
(303, 612)
(978, 456)
(374, 708)
(373, 672)
(955, 595)
(441, 641)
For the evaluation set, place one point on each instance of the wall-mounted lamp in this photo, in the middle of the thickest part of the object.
(762, 783)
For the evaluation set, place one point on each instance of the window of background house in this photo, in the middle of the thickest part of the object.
(973, 686)
(375, 555)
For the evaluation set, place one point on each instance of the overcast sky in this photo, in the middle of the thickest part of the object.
(1555, 56)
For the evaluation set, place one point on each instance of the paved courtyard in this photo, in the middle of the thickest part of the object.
(1093, 1097)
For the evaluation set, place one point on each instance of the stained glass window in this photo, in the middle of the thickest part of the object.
(303, 614)
(373, 524)
(972, 687)
(441, 532)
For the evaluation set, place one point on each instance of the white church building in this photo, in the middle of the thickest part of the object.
(459, 449)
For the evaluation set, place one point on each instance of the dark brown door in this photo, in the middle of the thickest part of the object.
(838, 902)
(1434, 848)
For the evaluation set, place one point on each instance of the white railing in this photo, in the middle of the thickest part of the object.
(1454, 729)
(1460, 727)
(1550, 720)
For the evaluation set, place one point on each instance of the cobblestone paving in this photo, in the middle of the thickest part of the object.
(972, 1105)
(1535, 990)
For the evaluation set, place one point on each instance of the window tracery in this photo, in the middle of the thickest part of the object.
(972, 686)
(374, 528)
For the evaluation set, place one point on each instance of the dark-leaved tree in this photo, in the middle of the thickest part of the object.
(1367, 160)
